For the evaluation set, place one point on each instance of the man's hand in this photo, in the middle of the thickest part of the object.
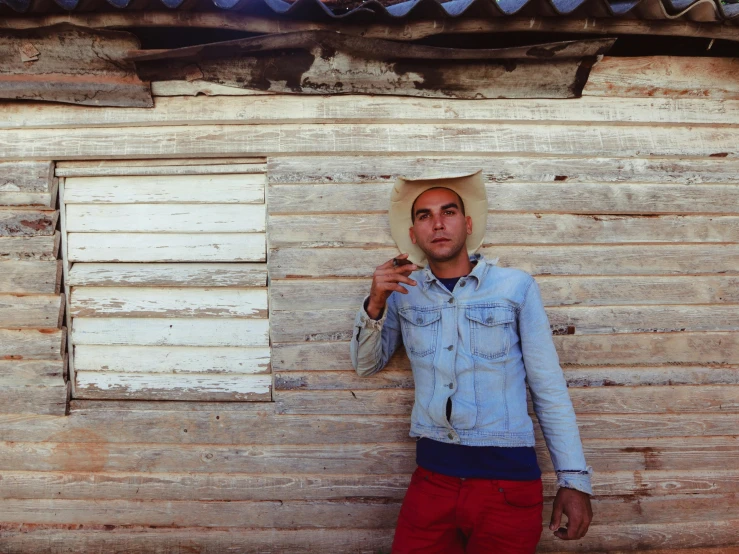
(385, 281)
(576, 506)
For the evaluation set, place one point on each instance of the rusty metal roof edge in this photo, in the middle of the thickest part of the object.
(374, 9)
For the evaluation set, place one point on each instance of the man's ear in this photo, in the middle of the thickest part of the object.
(468, 219)
(412, 235)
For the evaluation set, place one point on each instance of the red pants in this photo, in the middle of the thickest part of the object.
(451, 515)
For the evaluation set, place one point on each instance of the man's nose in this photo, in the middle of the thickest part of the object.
(438, 223)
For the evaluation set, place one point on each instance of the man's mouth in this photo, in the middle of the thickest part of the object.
(440, 239)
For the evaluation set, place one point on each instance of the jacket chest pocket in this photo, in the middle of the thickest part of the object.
(420, 328)
(490, 330)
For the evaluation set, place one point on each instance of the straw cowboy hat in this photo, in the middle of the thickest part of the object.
(469, 186)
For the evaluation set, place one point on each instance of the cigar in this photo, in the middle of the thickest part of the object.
(398, 262)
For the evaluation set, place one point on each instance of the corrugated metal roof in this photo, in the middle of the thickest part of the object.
(376, 10)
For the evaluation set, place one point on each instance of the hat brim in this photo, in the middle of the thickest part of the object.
(470, 187)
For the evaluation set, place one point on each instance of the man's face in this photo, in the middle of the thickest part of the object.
(440, 228)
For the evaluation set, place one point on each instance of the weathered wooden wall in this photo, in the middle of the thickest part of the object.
(625, 208)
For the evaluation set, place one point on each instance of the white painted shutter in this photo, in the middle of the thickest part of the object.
(166, 279)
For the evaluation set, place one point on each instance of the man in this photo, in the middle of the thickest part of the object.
(475, 335)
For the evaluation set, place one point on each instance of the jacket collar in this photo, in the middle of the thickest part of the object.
(478, 272)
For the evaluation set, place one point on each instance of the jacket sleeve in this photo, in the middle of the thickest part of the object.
(374, 341)
(551, 400)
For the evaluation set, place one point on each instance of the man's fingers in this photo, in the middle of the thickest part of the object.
(556, 515)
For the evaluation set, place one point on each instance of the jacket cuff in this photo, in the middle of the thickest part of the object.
(366, 322)
(578, 480)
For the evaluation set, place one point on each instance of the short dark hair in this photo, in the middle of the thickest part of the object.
(413, 206)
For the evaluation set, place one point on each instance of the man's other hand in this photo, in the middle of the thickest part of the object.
(576, 506)
(385, 281)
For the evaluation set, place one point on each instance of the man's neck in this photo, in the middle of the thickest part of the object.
(459, 266)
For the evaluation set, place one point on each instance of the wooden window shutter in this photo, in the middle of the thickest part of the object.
(167, 280)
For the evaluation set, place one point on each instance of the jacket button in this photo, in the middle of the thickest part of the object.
(450, 436)
(451, 300)
(463, 283)
(489, 320)
(419, 321)
(450, 347)
(451, 385)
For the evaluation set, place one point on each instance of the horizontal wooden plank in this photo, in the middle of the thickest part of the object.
(332, 325)
(243, 140)
(26, 311)
(588, 400)
(26, 176)
(592, 350)
(167, 302)
(576, 376)
(191, 166)
(167, 541)
(27, 222)
(255, 426)
(539, 197)
(30, 276)
(374, 230)
(316, 514)
(32, 344)
(673, 455)
(46, 399)
(262, 108)
(297, 294)
(355, 169)
(165, 247)
(30, 372)
(50, 539)
(28, 248)
(180, 386)
(171, 359)
(249, 487)
(665, 259)
(168, 274)
(664, 76)
(153, 189)
(173, 331)
(166, 218)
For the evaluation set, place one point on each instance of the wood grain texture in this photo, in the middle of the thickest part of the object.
(75, 65)
(668, 76)
(664, 259)
(260, 108)
(541, 198)
(171, 331)
(168, 302)
(672, 455)
(172, 360)
(561, 290)
(25, 222)
(144, 167)
(576, 350)
(336, 168)
(236, 487)
(179, 274)
(244, 140)
(182, 386)
(50, 398)
(30, 372)
(155, 189)
(30, 248)
(26, 183)
(165, 247)
(28, 311)
(32, 344)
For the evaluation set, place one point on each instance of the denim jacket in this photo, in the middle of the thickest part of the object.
(478, 345)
